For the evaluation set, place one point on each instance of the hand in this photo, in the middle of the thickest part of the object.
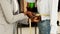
(29, 14)
(35, 19)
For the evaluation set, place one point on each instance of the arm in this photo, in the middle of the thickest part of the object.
(8, 13)
(53, 15)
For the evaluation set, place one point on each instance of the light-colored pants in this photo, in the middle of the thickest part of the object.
(44, 27)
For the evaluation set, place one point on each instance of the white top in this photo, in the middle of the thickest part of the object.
(43, 9)
(49, 7)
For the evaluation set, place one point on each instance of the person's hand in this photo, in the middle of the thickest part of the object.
(35, 19)
(29, 14)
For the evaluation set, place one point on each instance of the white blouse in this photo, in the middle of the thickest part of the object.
(49, 7)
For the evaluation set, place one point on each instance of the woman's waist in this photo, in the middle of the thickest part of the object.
(45, 17)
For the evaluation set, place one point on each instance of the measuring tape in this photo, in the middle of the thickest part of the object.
(42, 15)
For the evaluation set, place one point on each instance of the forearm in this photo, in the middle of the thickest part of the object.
(16, 18)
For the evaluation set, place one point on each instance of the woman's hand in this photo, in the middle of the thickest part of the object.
(36, 19)
(29, 14)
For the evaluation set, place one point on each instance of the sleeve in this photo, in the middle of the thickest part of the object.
(8, 13)
(53, 14)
